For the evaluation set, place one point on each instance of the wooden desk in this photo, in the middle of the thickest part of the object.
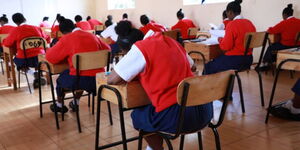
(289, 54)
(209, 51)
(132, 93)
(274, 38)
(8, 55)
(55, 68)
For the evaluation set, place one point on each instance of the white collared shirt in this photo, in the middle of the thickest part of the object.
(238, 17)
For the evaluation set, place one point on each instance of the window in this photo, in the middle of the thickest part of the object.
(194, 2)
(120, 4)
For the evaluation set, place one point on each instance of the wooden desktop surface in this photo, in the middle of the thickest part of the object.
(292, 53)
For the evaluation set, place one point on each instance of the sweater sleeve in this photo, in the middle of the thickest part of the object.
(227, 42)
(58, 52)
(11, 39)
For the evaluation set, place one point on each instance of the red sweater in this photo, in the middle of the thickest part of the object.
(72, 43)
(225, 22)
(6, 30)
(54, 31)
(83, 25)
(184, 25)
(287, 29)
(154, 27)
(166, 66)
(233, 41)
(18, 34)
(94, 22)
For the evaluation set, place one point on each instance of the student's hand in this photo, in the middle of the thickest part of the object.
(115, 79)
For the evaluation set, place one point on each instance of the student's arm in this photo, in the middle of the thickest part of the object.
(176, 26)
(58, 52)
(277, 28)
(128, 68)
(227, 42)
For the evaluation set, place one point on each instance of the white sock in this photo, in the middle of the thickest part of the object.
(58, 104)
(148, 148)
(289, 105)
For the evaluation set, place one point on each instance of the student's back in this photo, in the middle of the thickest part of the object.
(154, 27)
(6, 29)
(83, 25)
(183, 25)
(93, 23)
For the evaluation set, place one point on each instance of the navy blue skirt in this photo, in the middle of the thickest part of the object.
(196, 118)
(67, 81)
(31, 62)
(296, 87)
(224, 63)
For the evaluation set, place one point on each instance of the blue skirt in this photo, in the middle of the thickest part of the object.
(196, 118)
(31, 62)
(67, 81)
(224, 63)
(296, 88)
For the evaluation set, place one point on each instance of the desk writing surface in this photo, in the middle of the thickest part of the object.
(55, 68)
(292, 53)
(132, 93)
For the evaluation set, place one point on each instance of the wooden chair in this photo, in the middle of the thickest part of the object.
(203, 35)
(89, 61)
(174, 34)
(192, 32)
(99, 28)
(191, 92)
(252, 40)
(25, 44)
(2, 37)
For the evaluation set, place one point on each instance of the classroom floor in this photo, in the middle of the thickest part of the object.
(21, 128)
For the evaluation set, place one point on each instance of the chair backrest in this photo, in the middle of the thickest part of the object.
(174, 34)
(91, 60)
(204, 89)
(255, 40)
(203, 35)
(99, 27)
(91, 31)
(2, 37)
(192, 31)
(33, 42)
(297, 39)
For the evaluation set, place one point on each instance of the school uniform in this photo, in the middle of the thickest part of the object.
(6, 29)
(152, 26)
(225, 22)
(45, 24)
(287, 29)
(161, 63)
(94, 22)
(14, 39)
(110, 32)
(83, 25)
(183, 25)
(76, 42)
(296, 88)
(233, 46)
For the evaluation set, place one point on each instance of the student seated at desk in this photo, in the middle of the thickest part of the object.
(93, 22)
(74, 41)
(14, 39)
(4, 29)
(288, 28)
(225, 22)
(160, 64)
(183, 25)
(45, 23)
(55, 30)
(83, 25)
(149, 25)
(233, 43)
(289, 110)
(109, 21)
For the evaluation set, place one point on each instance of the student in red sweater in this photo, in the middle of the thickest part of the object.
(73, 41)
(14, 39)
(183, 25)
(93, 22)
(288, 28)
(4, 29)
(148, 25)
(45, 23)
(83, 25)
(55, 30)
(160, 64)
(233, 43)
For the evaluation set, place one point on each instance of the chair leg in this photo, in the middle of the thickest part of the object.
(28, 82)
(109, 113)
(63, 104)
(55, 114)
(181, 142)
(2, 67)
(93, 104)
(77, 115)
(89, 99)
(140, 142)
(241, 91)
(169, 144)
(261, 89)
(217, 138)
(97, 123)
(200, 140)
(40, 95)
(19, 79)
(122, 125)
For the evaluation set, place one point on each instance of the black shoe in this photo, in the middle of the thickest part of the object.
(264, 68)
(63, 109)
(73, 107)
(36, 82)
(281, 112)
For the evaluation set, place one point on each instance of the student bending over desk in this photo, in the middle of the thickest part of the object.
(289, 110)
(4, 29)
(73, 41)
(160, 64)
(233, 43)
(149, 25)
(288, 28)
(14, 39)
(83, 25)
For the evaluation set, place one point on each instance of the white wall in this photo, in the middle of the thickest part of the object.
(35, 10)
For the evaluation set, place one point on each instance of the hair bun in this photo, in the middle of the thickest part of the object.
(180, 10)
(238, 1)
(290, 6)
(4, 15)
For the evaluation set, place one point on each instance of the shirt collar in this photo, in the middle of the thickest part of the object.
(289, 17)
(238, 17)
(148, 34)
(76, 29)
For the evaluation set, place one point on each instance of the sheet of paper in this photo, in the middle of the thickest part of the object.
(213, 26)
(217, 33)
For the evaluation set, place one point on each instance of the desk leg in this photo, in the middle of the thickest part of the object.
(13, 72)
(6, 61)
